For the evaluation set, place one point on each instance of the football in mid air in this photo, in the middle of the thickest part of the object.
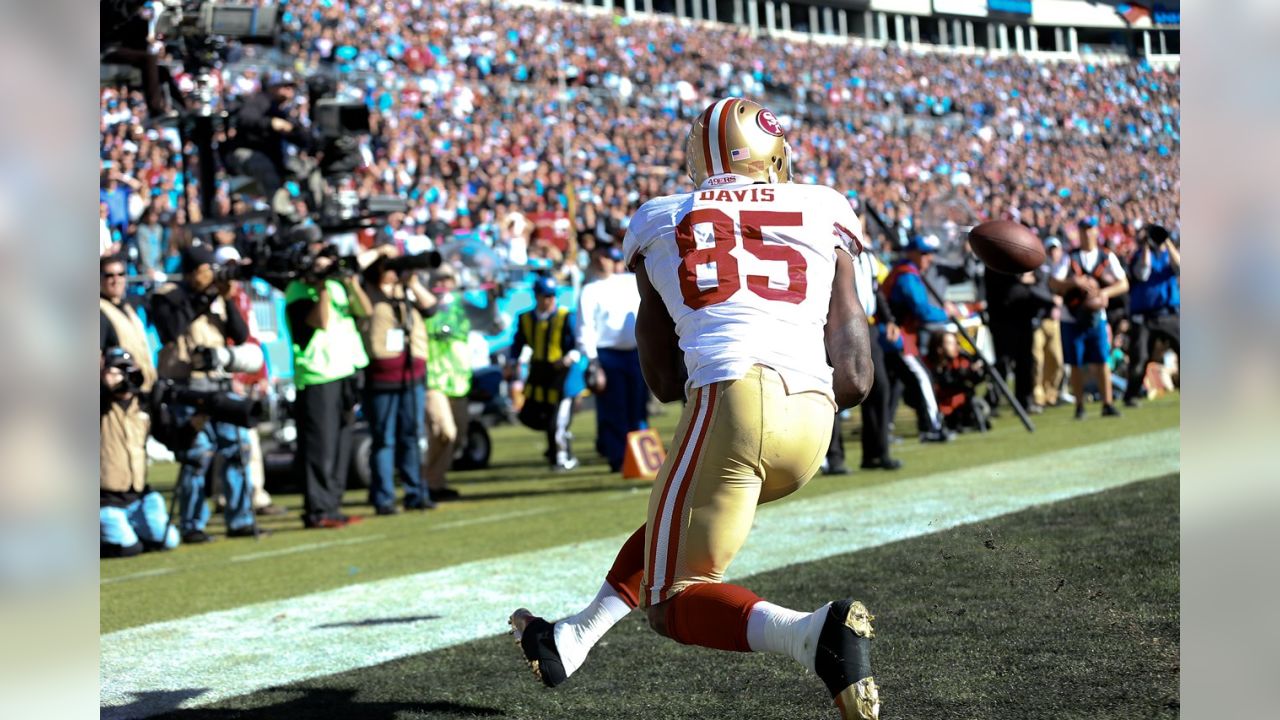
(1006, 246)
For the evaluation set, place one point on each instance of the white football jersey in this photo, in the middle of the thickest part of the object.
(745, 271)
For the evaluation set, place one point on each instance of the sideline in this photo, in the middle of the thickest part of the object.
(235, 652)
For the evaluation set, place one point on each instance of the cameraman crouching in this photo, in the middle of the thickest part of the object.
(131, 516)
(328, 352)
(190, 318)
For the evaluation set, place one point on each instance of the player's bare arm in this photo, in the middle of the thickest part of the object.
(660, 358)
(848, 338)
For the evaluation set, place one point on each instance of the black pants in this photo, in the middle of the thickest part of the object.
(875, 410)
(325, 426)
(1144, 330)
(835, 451)
(1013, 342)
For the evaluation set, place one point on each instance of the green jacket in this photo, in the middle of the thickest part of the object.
(331, 353)
(448, 358)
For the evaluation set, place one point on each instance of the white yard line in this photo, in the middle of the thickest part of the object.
(135, 576)
(239, 651)
(305, 547)
(489, 518)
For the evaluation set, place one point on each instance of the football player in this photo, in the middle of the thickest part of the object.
(747, 290)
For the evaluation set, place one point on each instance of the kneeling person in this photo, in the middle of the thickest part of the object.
(132, 517)
(747, 283)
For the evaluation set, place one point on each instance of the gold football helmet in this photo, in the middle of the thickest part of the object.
(740, 137)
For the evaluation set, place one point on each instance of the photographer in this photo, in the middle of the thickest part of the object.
(131, 517)
(321, 309)
(395, 381)
(1154, 303)
(262, 125)
(118, 323)
(194, 318)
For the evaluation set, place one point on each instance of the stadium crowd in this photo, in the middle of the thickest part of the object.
(469, 124)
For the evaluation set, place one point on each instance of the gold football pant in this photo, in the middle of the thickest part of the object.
(739, 443)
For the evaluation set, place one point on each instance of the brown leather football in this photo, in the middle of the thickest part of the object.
(1006, 246)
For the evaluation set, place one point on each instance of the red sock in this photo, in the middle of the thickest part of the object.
(628, 569)
(712, 615)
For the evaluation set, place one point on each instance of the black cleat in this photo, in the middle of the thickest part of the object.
(536, 639)
(1110, 410)
(881, 463)
(196, 537)
(843, 660)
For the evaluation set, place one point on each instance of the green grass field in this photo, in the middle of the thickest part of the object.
(1063, 610)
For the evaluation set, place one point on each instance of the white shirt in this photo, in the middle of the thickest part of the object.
(1089, 260)
(864, 281)
(607, 312)
(752, 284)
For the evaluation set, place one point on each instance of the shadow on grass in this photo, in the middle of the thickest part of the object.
(151, 703)
(373, 622)
(329, 703)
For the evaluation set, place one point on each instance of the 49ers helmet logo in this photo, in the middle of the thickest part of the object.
(768, 123)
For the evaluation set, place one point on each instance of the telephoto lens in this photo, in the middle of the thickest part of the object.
(234, 359)
(422, 261)
(228, 272)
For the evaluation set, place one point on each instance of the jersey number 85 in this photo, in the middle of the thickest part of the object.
(726, 237)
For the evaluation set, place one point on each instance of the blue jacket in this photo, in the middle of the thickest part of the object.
(1160, 291)
(910, 300)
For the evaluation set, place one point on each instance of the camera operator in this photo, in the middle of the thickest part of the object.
(395, 381)
(263, 123)
(118, 323)
(321, 308)
(1154, 303)
(131, 516)
(193, 318)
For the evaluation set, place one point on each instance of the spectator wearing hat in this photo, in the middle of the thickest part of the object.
(1088, 278)
(1046, 341)
(1154, 303)
(448, 380)
(910, 303)
(608, 312)
(547, 337)
(199, 313)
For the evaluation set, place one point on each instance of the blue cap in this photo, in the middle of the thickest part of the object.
(928, 244)
(545, 287)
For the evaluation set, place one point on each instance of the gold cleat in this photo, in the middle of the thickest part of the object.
(860, 701)
(536, 639)
(843, 660)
